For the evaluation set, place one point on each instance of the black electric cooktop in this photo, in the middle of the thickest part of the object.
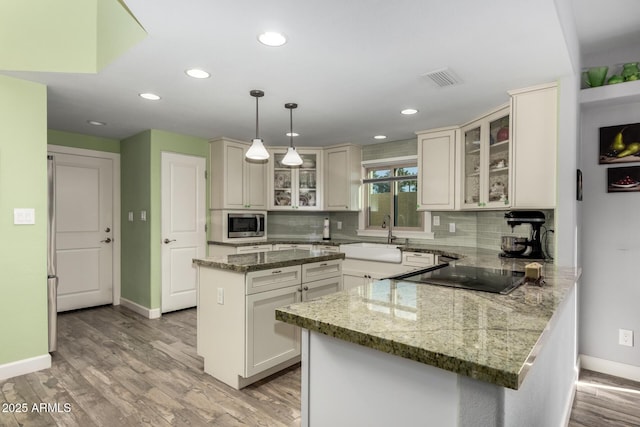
(493, 280)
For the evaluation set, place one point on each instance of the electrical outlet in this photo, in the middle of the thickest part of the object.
(339, 225)
(221, 296)
(436, 220)
(452, 227)
(625, 337)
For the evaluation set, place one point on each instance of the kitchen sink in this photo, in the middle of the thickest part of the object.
(372, 252)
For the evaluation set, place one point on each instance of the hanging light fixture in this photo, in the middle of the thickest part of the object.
(292, 158)
(257, 150)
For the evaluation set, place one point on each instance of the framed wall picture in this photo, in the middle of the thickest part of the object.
(620, 144)
(622, 180)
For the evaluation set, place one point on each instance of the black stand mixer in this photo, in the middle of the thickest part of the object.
(521, 247)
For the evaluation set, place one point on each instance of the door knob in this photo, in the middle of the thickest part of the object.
(166, 241)
(107, 240)
(107, 230)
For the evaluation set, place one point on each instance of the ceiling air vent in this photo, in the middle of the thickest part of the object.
(443, 77)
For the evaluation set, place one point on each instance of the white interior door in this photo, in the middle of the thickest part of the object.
(84, 231)
(183, 228)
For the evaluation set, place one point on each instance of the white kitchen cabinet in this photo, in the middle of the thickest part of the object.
(236, 182)
(269, 341)
(534, 114)
(343, 179)
(321, 270)
(437, 186)
(486, 161)
(319, 288)
(298, 187)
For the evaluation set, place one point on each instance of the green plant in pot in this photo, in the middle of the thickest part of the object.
(630, 72)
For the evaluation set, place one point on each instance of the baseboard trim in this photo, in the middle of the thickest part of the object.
(25, 366)
(149, 313)
(609, 367)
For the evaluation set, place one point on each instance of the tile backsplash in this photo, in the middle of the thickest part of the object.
(482, 229)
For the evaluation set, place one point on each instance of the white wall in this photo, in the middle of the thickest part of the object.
(611, 247)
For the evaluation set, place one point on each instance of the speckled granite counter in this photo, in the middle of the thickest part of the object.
(490, 337)
(243, 263)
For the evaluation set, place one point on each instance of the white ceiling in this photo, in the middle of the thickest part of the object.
(350, 65)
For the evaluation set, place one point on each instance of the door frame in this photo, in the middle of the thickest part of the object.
(115, 158)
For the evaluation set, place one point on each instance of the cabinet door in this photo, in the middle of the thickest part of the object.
(535, 138)
(485, 161)
(234, 176)
(296, 187)
(498, 158)
(309, 181)
(320, 288)
(255, 178)
(342, 178)
(436, 170)
(270, 341)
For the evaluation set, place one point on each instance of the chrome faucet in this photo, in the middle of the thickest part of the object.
(390, 236)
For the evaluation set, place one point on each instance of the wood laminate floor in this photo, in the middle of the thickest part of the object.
(116, 368)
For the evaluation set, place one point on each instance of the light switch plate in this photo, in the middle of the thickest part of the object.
(436, 220)
(452, 227)
(143, 215)
(24, 216)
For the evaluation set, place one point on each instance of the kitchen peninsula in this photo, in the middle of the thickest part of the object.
(399, 353)
(237, 333)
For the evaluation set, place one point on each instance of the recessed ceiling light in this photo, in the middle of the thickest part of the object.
(271, 38)
(408, 111)
(149, 96)
(292, 134)
(380, 137)
(197, 73)
(96, 123)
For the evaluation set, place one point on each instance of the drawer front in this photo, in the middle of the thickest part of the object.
(326, 248)
(276, 278)
(417, 259)
(283, 246)
(252, 249)
(321, 270)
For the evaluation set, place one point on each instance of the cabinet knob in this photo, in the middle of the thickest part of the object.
(276, 271)
(299, 289)
(306, 288)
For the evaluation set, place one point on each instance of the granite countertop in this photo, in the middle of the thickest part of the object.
(243, 263)
(490, 337)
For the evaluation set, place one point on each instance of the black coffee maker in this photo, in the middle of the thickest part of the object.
(521, 247)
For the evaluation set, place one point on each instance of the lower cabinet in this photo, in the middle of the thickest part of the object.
(269, 341)
(238, 335)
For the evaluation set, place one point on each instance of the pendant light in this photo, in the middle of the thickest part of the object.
(257, 150)
(292, 158)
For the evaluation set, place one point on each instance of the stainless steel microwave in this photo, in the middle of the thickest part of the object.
(245, 224)
(235, 226)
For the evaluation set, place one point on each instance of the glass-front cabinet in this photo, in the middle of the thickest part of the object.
(485, 163)
(296, 187)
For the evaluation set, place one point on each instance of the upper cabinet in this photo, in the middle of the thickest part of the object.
(342, 177)
(486, 146)
(236, 182)
(535, 138)
(297, 187)
(437, 168)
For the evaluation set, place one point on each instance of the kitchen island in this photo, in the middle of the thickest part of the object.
(401, 353)
(237, 333)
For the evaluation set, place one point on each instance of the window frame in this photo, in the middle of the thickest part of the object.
(423, 232)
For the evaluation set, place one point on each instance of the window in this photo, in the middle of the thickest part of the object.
(392, 190)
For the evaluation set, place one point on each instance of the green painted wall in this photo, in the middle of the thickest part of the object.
(77, 140)
(166, 141)
(141, 241)
(135, 196)
(78, 36)
(23, 253)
